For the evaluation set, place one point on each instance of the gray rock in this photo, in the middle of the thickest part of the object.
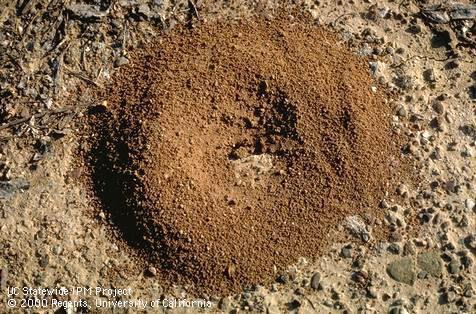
(394, 248)
(283, 279)
(44, 261)
(84, 11)
(346, 252)
(398, 310)
(431, 263)
(470, 241)
(454, 267)
(450, 296)
(438, 107)
(8, 189)
(315, 280)
(422, 275)
(466, 261)
(121, 61)
(401, 111)
(402, 270)
(358, 228)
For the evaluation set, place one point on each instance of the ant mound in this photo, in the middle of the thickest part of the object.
(228, 151)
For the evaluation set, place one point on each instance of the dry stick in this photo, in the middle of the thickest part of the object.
(421, 57)
(42, 114)
(83, 77)
(310, 302)
(191, 3)
(36, 115)
(342, 16)
(124, 38)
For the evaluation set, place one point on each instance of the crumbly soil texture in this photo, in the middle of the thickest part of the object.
(223, 153)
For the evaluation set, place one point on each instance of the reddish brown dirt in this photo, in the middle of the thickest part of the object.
(231, 149)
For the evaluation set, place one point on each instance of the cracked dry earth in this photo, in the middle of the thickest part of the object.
(51, 238)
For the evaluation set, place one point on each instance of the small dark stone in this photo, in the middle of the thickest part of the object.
(452, 64)
(438, 107)
(315, 280)
(415, 29)
(400, 50)
(346, 252)
(283, 279)
(466, 261)
(294, 304)
(44, 261)
(394, 248)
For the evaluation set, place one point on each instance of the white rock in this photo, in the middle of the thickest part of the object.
(469, 203)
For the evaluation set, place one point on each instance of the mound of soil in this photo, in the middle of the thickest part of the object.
(228, 151)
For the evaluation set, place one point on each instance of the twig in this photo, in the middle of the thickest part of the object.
(124, 38)
(42, 114)
(310, 302)
(421, 57)
(36, 116)
(83, 77)
(192, 5)
(341, 16)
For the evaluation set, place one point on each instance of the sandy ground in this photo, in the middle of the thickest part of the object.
(50, 239)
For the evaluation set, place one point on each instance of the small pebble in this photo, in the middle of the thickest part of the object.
(438, 107)
(394, 248)
(469, 203)
(346, 252)
(450, 296)
(121, 61)
(401, 111)
(372, 292)
(454, 267)
(151, 271)
(315, 281)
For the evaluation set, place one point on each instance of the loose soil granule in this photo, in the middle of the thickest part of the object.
(228, 151)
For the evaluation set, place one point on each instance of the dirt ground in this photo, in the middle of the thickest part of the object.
(52, 53)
